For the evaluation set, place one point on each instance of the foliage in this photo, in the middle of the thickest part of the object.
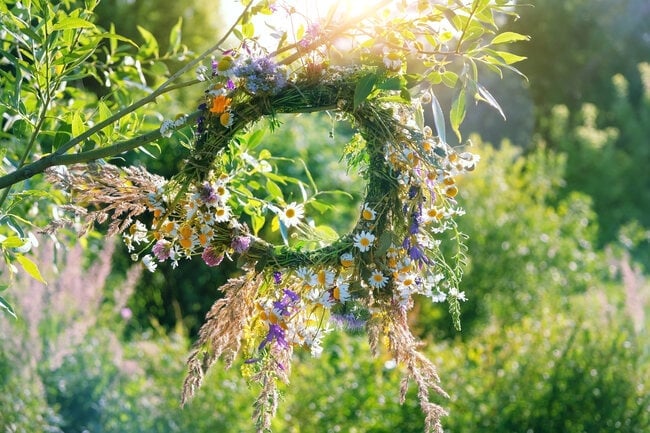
(576, 46)
(610, 142)
(227, 192)
(582, 372)
(525, 236)
(50, 51)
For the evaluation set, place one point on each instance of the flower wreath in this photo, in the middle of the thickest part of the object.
(291, 297)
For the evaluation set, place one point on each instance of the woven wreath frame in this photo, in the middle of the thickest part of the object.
(377, 124)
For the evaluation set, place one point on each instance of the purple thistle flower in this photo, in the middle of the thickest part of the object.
(277, 334)
(162, 250)
(261, 75)
(240, 244)
(212, 257)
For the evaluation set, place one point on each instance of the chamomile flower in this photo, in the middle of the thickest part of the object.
(347, 260)
(308, 276)
(226, 119)
(221, 213)
(292, 214)
(407, 282)
(341, 291)
(367, 213)
(455, 293)
(392, 61)
(325, 278)
(149, 263)
(377, 279)
(364, 240)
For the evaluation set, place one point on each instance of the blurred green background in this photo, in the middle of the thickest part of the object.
(556, 329)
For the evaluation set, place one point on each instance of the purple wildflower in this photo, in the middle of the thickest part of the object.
(311, 35)
(261, 75)
(291, 295)
(240, 244)
(416, 221)
(207, 194)
(286, 304)
(212, 257)
(162, 250)
(417, 254)
(413, 191)
(277, 277)
(277, 334)
(347, 321)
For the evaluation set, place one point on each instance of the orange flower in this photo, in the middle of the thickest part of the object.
(220, 104)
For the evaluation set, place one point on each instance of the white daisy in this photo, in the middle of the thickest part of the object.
(407, 282)
(364, 240)
(307, 276)
(149, 263)
(347, 260)
(292, 214)
(341, 291)
(377, 279)
(368, 213)
(221, 214)
(325, 278)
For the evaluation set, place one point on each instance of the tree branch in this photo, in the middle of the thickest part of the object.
(53, 159)
(29, 170)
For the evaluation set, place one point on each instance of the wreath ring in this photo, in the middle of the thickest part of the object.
(377, 125)
(366, 278)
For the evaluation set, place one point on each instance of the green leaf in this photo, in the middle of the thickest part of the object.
(510, 58)
(364, 88)
(326, 233)
(320, 206)
(150, 46)
(484, 95)
(509, 37)
(450, 79)
(255, 138)
(392, 83)
(248, 30)
(62, 136)
(457, 113)
(68, 23)
(257, 222)
(175, 36)
(30, 267)
(13, 242)
(4, 304)
(77, 124)
(114, 38)
(274, 190)
(438, 118)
